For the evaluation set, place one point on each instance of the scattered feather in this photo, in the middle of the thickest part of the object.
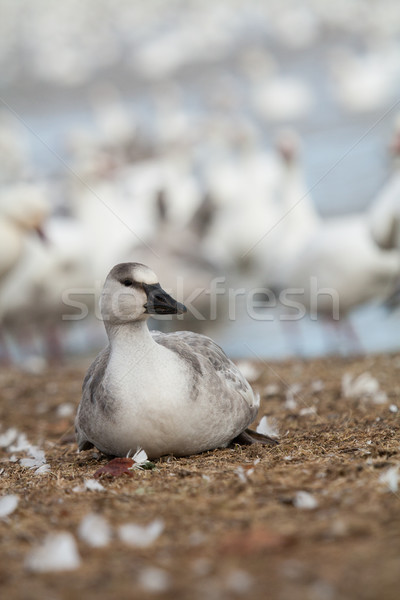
(271, 390)
(154, 580)
(65, 410)
(93, 486)
(57, 553)
(95, 531)
(36, 460)
(43, 469)
(8, 437)
(317, 385)
(8, 504)
(245, 472)
(309, 410)
(241, 474)
(141, 460)
(239, 582)
(364, 387)
(305, 501)
(140, 456)
(290, 403)
(390, 479)
(90, 485)
(268, 427)
(78, 488)
(141, 536)
(393, 408)
(21, 444)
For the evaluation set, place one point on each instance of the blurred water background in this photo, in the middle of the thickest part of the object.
(208, 140)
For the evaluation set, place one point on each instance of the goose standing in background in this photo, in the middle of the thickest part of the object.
(166, 393)
(339, 268)
(341, 256)
(23, 209)
(384, 214)
(356, 256)
(296, 219)
(178, 255)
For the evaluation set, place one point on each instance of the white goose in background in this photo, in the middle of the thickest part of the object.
(283, 98)
(176, 253)
(166, 393)
(264, 212)
(23, 209)
(342, 256)
(35, 275)
(104, 213)
(384, 214)
(241, 187)
(365, 82)
(342, 266)
(296, 218)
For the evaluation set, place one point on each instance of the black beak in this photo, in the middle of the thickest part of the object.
(161, 303)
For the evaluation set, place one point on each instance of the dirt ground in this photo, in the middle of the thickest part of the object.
(233, 528)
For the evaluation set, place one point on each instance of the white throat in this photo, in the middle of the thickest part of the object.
(130, 341)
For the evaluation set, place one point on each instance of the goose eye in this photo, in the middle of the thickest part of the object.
(127, 282)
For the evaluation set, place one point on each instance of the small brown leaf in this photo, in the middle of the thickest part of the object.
(115, 468)
(254, 541)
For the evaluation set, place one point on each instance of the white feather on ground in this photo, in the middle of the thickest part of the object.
(239, 582)
(15, 442)
(8, 437)
(90, 485)
(141, 536)
(140, 458)
(390, 479)
(20, 444)
(37, 458)
(305, 500)
(154, 580)
(58, 552)
(268, 426)
(365, 387)
(95, 531)
(290, 402)
(8, 505)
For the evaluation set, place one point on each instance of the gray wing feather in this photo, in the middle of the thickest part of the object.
(93, 393)
(202, 352)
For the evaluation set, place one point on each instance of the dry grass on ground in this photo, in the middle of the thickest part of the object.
(227, 534)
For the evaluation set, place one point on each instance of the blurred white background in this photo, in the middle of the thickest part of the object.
(251, 141)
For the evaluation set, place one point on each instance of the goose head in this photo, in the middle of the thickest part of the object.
(132, 293)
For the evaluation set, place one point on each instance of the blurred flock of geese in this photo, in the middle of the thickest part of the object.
(194, 212)
(255, 225)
